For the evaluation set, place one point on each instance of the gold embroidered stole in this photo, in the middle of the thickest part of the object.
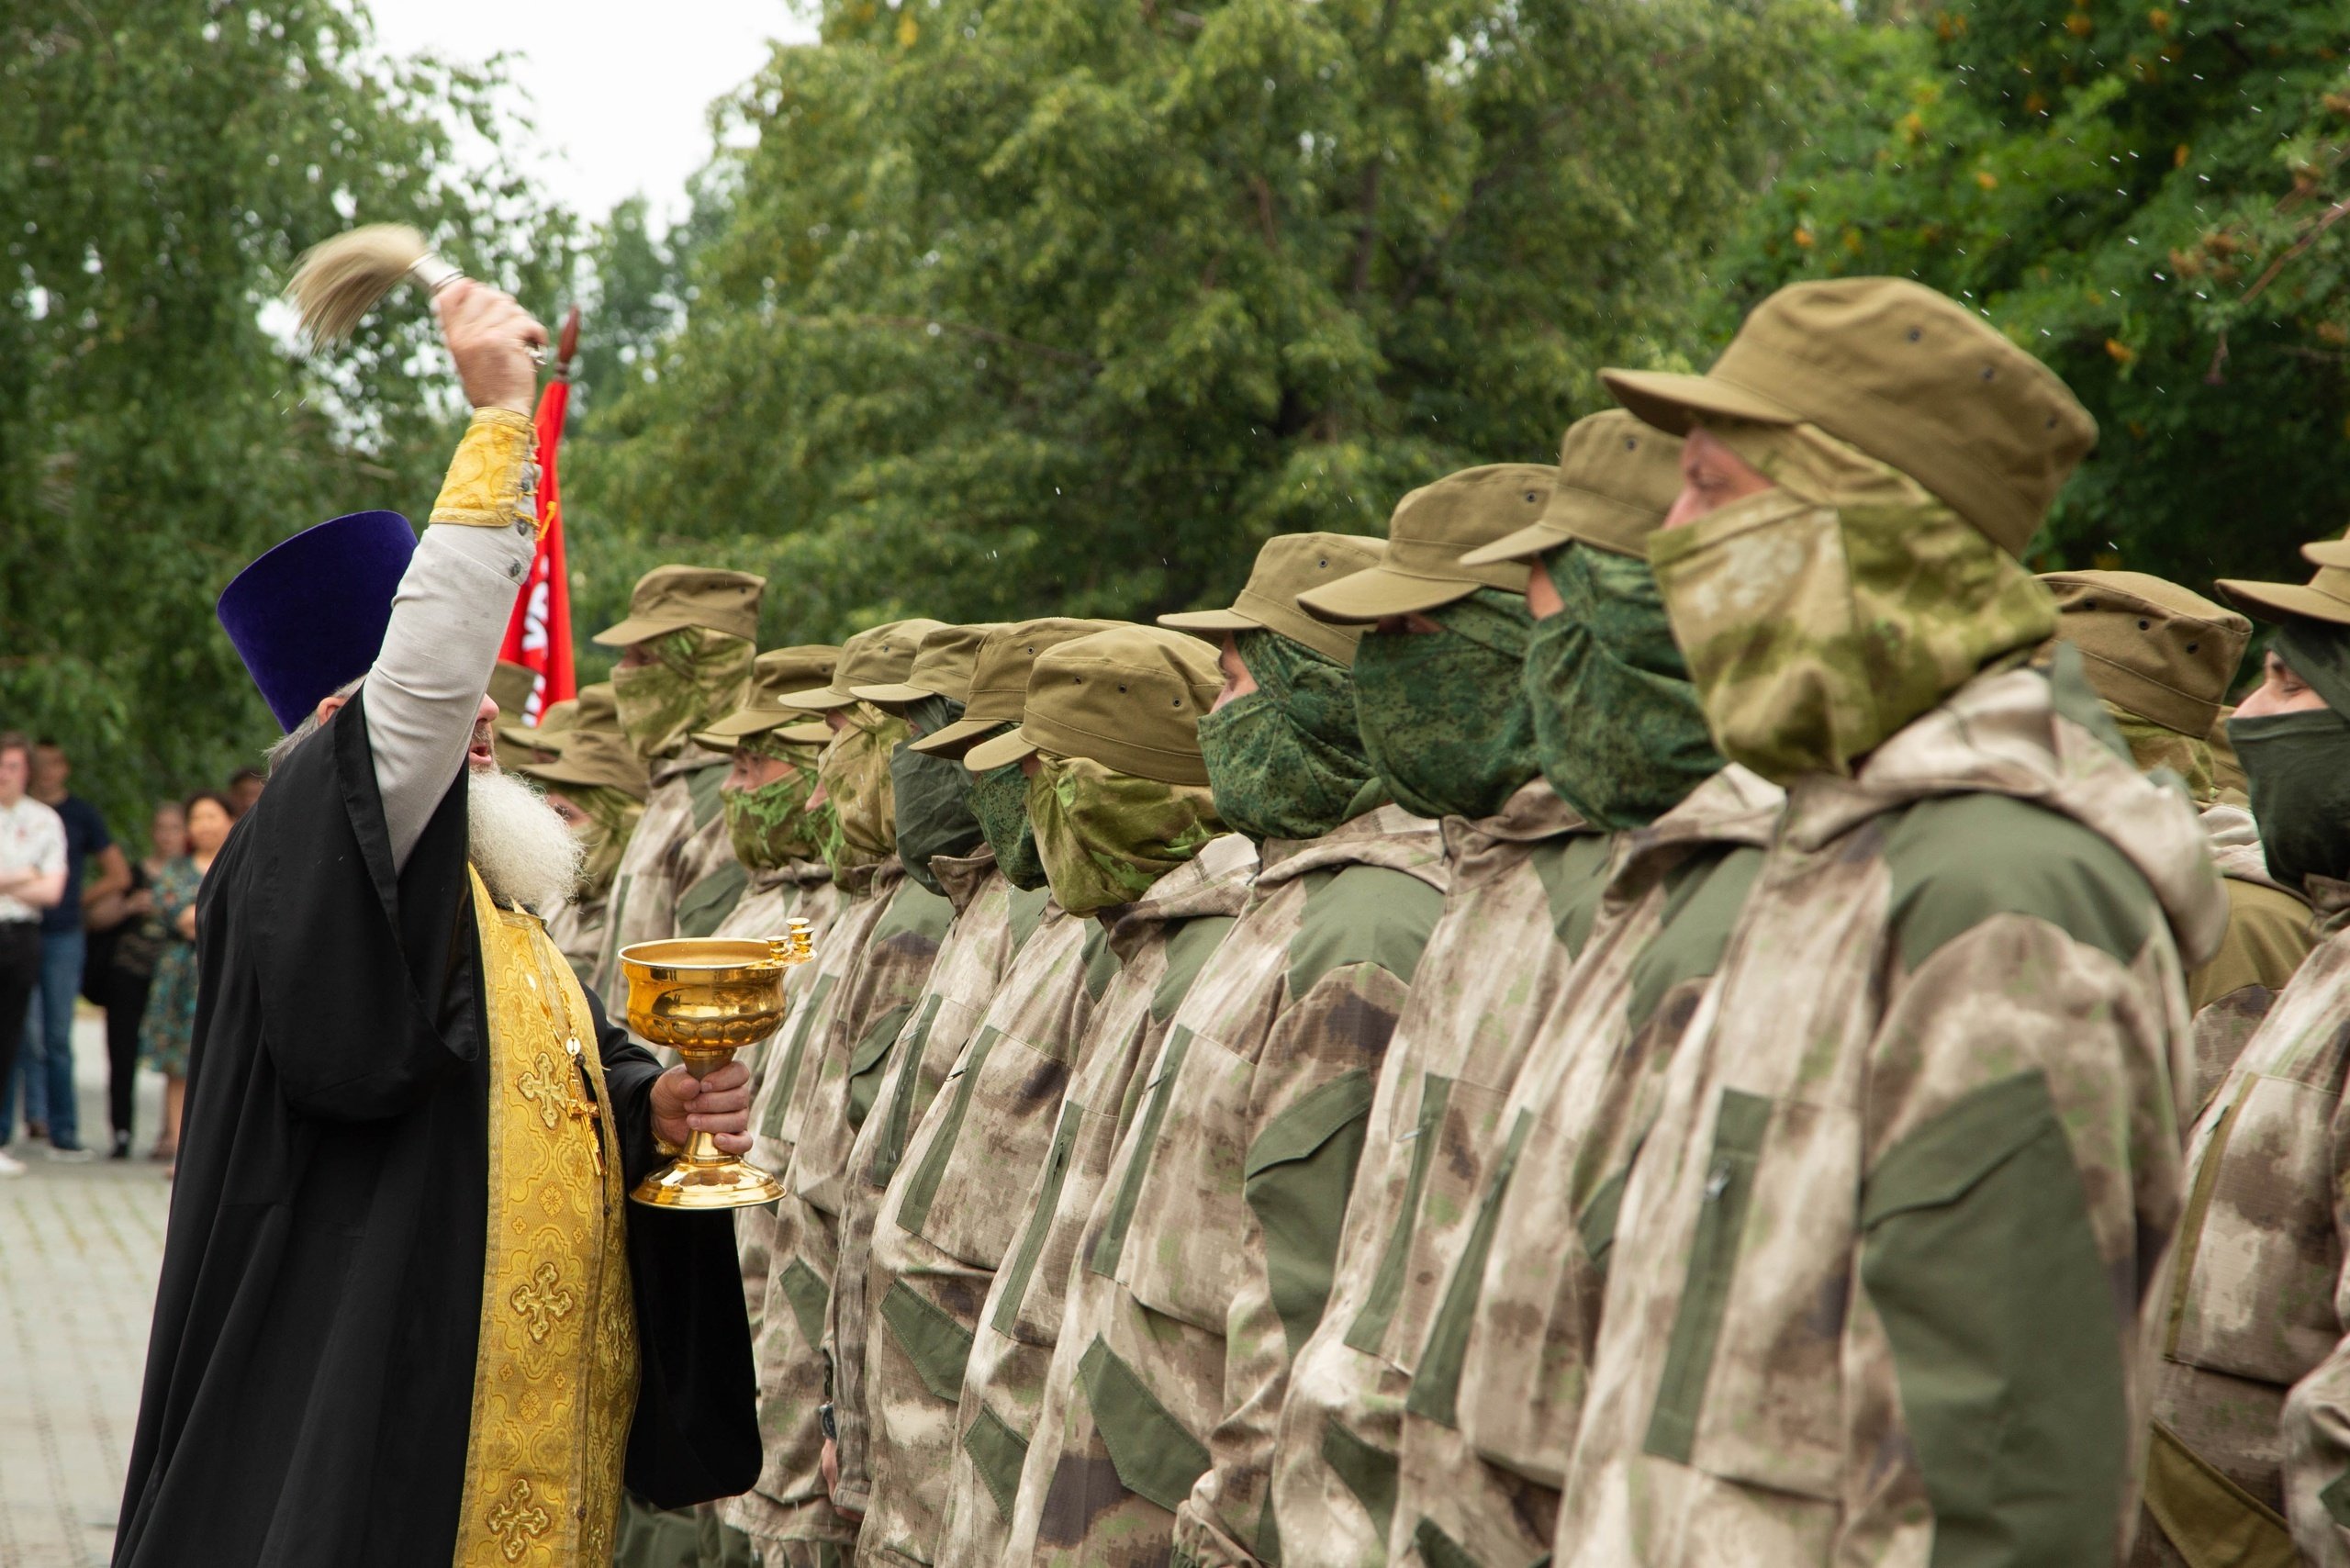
(555, 1377)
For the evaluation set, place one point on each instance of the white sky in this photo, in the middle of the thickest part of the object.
(618, 91)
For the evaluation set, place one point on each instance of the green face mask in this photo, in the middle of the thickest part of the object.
(1616, 720)
(612, 820)
(1107, 836)
(933, 798)
(697, 677)
(1286, 760)
(2298, 764)
(999, 800)
(771, 825)
(1443, 714)
(855, 774)
(1814, 631)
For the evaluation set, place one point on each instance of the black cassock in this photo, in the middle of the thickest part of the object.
(309, 1374)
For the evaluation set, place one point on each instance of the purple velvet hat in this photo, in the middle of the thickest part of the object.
(309, 615)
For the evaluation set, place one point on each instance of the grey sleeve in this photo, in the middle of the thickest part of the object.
(448, 621)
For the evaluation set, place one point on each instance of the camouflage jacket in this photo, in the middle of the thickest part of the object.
(992, 919)
(971, 1197)
(1498, 1383)
(2252, 1397)
(577, 932)
(1206, 1250)
(1524, 887)
(1882, 1265)
(2269, 933)
(679, 841)
(790, 1501)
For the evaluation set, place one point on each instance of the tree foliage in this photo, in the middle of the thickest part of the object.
(2150, 198)
(162, 162)
(1066, 305)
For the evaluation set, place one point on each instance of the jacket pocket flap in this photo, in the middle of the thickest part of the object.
(1155, 1457)
(1307, 1124)
(937, 1345)
(1961, 1147)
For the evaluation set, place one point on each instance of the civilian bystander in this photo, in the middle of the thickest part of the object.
(46, 1054)
(32, 879)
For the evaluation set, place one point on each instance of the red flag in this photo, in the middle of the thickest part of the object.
(538, 636)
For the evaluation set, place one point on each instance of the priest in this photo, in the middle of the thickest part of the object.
(406, 1315)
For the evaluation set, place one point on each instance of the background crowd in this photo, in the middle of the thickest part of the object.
(81, 920)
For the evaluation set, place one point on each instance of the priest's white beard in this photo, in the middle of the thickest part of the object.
(524, 851)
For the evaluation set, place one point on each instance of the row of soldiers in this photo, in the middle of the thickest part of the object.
(1684, 1008)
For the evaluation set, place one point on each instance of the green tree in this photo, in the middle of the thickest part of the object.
(2147, 196)
(161, 166)
(1067, 305)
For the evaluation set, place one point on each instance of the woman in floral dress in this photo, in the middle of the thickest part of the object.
(170, 1021)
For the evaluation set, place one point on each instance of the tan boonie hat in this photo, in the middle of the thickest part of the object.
(1130, 699)
(669, 599)
(2325, 597)
(942, 666)
(2151, 646)
(1617, 478)
(879, 655)
(547, 733)
(1290, 565)
(999, 678)
(1909, 376)
(1433, 528)
(595, 750)
(773, 674)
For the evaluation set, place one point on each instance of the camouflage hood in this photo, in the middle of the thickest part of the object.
(1215, 881)
(1475, 848)
(1388, 836)
(2235, 846)
(2036, 737)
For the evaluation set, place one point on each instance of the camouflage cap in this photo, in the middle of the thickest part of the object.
(1433, 528)
(670, 598)
(1617, 478)
(2151, 646)
(999, 678)
(595, 750)
(1909, 376)
(773, 674)
(1287, 565)
(942, 666)
(879, 655)
(1129, 699)
(2325, 597)
(547, 733)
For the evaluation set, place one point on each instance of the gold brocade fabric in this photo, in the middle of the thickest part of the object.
(555, 1377)
(492, 481)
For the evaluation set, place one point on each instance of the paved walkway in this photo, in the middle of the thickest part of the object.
(79, 1247)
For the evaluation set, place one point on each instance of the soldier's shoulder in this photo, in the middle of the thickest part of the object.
(1958, 860)
(1361, 914)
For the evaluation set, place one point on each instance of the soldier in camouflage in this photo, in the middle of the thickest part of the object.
(686, 651)
(2160, 659)
(1143, 881)
(594, 778)
(2251, 1430)
(812, 1093)
(1883, 1280)
(1202, 1236)
(1622, 738)
(968, 684)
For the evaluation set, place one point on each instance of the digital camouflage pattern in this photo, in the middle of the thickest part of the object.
(1498, 1386)
(1821, 617)
(932, 797)
(680, 842)
(1107, 836)
(999, 800)
(696, 676)
(991, 922)
(1609, 651)
(1915, 1170)
(1008, 1460)
(2251, 1398)
(1286, 760)
(1443, 715)
(1207, 1247)
(854, 774)
(2270, 932)
(772, 825)
(787, 1513)
(1525, 886)
(941, 1230)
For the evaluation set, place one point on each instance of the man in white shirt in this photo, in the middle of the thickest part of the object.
(32, 879)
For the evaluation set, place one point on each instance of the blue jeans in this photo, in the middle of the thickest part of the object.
(46, 1063)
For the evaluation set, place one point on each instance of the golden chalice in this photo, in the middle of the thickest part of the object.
(706, 999)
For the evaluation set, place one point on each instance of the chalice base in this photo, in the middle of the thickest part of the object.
(689, 1184)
